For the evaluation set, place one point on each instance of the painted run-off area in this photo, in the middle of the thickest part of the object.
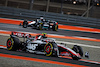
(40, 60)
(17, 22)
(64, 27)
(54, 36)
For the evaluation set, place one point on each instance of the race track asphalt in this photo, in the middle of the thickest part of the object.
(11, 27)
(94, 52)
(24, 54)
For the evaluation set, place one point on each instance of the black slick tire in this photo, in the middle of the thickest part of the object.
(13, 44)
(55, 27)
(78, 49)
(25, 24)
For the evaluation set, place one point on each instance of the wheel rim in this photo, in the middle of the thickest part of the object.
(10, 43)
(56, 27)
(48, 49)
(40, 26)
(25, 25)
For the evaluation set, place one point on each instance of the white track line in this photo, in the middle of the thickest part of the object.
(4, 34)
(84, 45)
(3, 47)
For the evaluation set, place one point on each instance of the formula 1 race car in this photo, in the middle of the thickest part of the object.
(41, 44)
(41, 24)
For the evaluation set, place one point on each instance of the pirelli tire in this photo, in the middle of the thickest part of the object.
(49, 50)
(25, 24)
(78, 49)
(13, 44)
(55, 27)
(40, 26)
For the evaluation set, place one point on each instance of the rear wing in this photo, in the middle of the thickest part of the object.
(19, 34)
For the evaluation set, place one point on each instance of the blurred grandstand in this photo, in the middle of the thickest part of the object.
(85, 8)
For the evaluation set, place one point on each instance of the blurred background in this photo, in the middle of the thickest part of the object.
(85, 8)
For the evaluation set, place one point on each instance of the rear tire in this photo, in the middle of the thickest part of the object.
(25, 24)
(55, 27)
(13, 44)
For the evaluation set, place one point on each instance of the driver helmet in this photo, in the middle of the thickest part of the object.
(41, 18)
(39, 37)
(44, 35)
(37, 20)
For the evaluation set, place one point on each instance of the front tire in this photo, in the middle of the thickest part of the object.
(40, 26)
(49, 50)
(78, 49)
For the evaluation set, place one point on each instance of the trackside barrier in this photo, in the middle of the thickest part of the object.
(49, 16)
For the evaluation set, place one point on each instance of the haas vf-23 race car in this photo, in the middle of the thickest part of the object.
(41, 44)
(41, 24)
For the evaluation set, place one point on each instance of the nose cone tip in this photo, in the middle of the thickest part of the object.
(87, 54)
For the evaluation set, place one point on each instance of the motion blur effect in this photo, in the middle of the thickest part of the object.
(85, 8)
(49, 33)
